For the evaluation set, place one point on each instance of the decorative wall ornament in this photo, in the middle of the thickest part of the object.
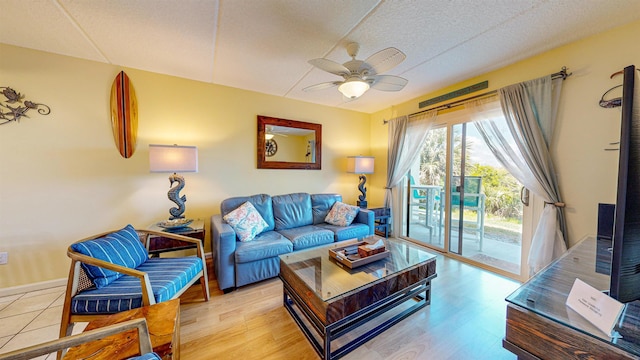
(12, 108)
(124, 115)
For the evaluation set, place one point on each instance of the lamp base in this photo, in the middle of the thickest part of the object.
(174, 195)
(362, 202)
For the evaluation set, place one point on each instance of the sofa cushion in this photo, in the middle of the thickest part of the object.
(246, 222)
(321, 205)
(341, 214)
(353, 231)
(250, 272)
(122, 247)
(307, 236)
(292, 211)
(262, 203)
(265, 245)
(166, 275)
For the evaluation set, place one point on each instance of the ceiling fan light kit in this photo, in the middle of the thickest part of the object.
(359, 76)
(353, 88)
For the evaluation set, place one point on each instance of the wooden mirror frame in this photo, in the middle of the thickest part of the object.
(263, 121)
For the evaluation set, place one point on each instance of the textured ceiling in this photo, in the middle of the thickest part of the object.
(264, 45)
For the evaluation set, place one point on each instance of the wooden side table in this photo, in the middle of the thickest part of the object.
(382, 220)
(163, 321)
(159, 244)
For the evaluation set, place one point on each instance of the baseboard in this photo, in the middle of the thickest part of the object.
(20, 289)
(32, 287)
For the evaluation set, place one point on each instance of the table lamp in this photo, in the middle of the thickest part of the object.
(361, 165)
(174, 158)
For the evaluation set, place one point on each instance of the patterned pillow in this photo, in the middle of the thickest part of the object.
(122, 247)
(341, 214)
(246, 221)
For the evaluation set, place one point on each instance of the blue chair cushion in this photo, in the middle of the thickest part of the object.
(308, 236)
(122, 247)
(264, 246)
(147, 356)
(166, 275)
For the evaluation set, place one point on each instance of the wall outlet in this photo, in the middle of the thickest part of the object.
(4, 258)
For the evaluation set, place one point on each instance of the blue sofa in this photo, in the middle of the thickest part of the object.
(295, 221)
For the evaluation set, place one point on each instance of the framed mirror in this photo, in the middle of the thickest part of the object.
(288, 144)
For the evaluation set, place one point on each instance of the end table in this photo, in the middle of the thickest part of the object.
(382, 220)
(159, 244)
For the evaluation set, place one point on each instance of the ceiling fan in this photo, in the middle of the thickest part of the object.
(272, 130)
(360, 75)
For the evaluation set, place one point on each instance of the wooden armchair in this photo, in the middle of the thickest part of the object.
(112, 272)
(49, 347)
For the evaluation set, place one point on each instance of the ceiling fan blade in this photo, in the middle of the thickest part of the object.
(387, 82)
(330, 66)
(384, 60)
(322, 86)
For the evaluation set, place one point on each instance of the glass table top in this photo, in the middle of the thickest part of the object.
(546, 294)
(329, 279)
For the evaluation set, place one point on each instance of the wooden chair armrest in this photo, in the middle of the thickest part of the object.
(49, 347)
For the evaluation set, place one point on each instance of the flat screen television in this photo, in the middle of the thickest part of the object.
(625, 259)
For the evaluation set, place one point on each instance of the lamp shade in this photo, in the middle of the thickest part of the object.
(360, 164)
(353, 88)
(173, 158)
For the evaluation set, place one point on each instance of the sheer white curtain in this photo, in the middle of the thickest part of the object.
(521, 145)
(406, 138)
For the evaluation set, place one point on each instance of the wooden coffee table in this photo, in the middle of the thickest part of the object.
(332, 303)
(163, 321)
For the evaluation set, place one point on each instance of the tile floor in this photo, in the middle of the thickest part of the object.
(32, 318)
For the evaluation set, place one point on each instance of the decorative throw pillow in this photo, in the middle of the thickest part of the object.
(122, 247)
(341, 214)
(246, 221)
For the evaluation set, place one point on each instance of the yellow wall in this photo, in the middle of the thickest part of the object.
(62, 178)
(587, 174)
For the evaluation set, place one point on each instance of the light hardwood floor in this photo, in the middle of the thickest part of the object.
(466, 320)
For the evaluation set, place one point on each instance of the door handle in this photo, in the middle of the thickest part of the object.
(524, 196)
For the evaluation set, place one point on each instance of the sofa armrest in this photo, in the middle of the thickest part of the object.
(366, 217)
(223, 246)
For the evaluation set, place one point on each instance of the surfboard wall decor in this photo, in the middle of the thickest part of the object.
(124, 115)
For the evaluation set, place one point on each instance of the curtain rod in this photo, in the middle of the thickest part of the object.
(560, 74)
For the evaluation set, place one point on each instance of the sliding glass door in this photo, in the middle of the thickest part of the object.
(425, 191)
(459, 199)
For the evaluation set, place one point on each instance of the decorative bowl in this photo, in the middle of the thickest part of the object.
(175, 223)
